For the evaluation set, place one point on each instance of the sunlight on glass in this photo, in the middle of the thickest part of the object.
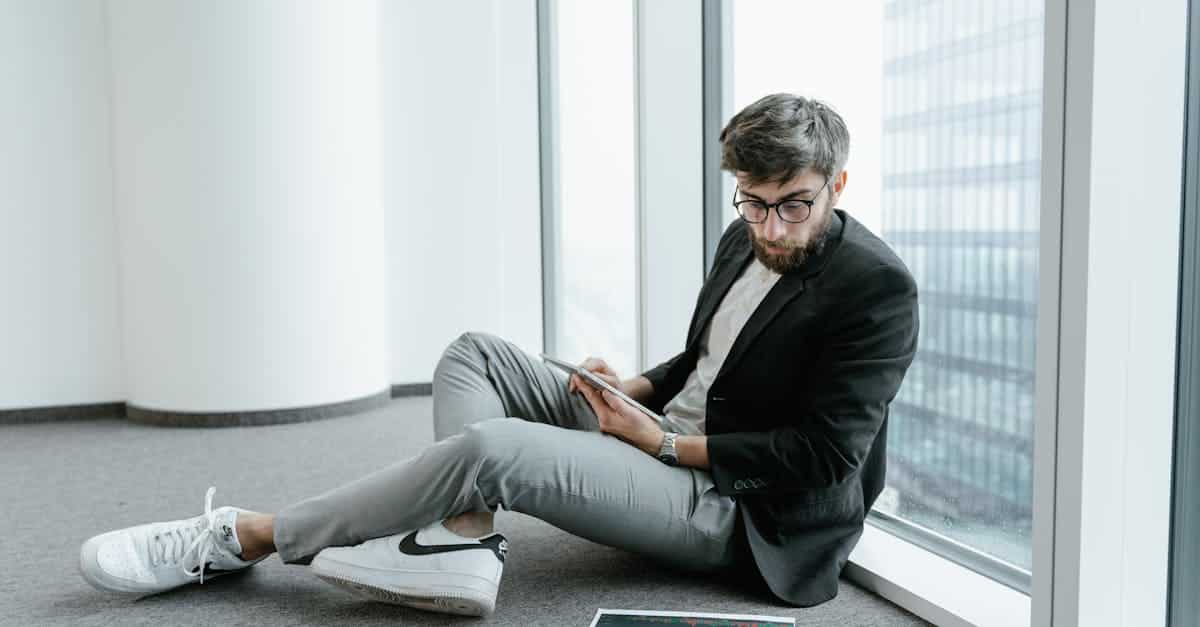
(597, 281)
(819, 63)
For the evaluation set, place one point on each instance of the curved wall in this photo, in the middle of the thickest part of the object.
(247, 165)
(220, 211)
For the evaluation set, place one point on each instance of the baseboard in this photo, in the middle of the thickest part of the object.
(149, 416)
(401, 390)
(60, 413)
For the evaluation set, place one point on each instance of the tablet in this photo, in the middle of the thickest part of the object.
(597, 382)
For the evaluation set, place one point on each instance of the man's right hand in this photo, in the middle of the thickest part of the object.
(600, 368)
(637, 388)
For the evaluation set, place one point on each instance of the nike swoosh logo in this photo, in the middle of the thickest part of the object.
(494, 543)
(209, 570)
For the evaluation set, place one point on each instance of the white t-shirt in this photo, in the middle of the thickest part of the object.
(685, 412)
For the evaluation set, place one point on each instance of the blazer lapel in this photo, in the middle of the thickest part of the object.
(787, 288)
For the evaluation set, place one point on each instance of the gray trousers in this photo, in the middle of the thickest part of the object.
(510, 435)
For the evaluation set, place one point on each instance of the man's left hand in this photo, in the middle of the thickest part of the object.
(623, 420)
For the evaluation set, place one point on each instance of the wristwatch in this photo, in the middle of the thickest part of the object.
(666, 452)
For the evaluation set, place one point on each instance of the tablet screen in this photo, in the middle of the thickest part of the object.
(597, 382)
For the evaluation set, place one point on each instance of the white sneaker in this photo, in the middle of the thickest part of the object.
(156, 557)
(431, 568)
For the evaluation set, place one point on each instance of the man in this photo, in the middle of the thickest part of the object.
(771, 451)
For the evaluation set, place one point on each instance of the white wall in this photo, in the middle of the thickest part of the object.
(59, 310)
(460, 176)
(247, 150)
(217, 235)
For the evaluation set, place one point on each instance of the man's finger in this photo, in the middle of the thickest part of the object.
(587, 392)
(595, 364)
(610, 399)
(594, 396)
(598, 407)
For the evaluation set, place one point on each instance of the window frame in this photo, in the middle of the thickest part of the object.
(548, 158)
(717, 99)
(1183, 605)
(1107, 559)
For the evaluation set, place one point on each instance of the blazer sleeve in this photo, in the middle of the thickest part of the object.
(659, 383)
(870, 345)
(658, 374)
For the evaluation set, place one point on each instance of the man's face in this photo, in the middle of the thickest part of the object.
(783, 246)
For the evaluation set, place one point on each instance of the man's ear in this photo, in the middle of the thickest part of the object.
(838, 184)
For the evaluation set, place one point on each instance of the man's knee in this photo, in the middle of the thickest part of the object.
(477, 342)
(463, 350)
(470, 347)
(467, 343)
(493, 440)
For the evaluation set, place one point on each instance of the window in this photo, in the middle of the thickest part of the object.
(592, 271)
(943, 102)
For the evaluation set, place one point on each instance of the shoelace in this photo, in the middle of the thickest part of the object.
(202, 538)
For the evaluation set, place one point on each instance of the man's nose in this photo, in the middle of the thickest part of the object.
(774, 228)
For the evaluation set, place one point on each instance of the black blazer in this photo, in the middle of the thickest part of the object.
(797, 416)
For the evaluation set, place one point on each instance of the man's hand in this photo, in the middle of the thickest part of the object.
(637, 388)
(621, 419)
(598, 367)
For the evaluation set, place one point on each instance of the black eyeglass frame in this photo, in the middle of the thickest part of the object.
(807, 203)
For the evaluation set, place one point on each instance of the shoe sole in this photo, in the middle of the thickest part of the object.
(435, 597)
(445, 602)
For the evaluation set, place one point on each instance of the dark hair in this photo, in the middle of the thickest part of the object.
(779, 136)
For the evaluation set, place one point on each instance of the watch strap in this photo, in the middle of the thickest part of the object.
(667, 452)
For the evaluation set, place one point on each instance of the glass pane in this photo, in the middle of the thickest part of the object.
(943, 102)
(596, 273)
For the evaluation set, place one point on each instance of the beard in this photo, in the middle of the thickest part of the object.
(796, 255)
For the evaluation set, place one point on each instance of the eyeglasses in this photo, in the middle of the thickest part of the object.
(792, 210)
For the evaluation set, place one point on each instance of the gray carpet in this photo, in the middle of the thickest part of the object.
(63, 482)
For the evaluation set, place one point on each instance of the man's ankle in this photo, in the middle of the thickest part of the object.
(256, 534)
(471, 524)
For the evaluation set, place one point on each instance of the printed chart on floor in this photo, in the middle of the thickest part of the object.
(652, 618)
